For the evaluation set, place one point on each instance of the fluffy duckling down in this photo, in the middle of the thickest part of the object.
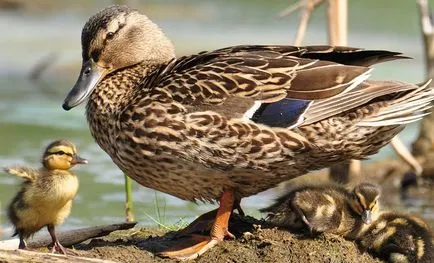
(46, 194)
(399, 238)
(394, 237)
(326, 208)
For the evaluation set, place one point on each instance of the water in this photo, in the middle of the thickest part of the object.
(31, 116)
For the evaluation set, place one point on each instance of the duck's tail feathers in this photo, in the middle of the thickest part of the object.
(406, 107)
(365, 93)
(27, 174)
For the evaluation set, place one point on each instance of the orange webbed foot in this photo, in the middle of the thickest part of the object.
(192, 246)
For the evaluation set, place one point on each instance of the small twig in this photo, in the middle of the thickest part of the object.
(338, 22)
(292, 8)
(423, 145)
(160, 224)
(428, 34)
(302, 26)
(405, 154)
(128, 199)
(69, 238)
(425, 17)
(309, 6)
(39, 257)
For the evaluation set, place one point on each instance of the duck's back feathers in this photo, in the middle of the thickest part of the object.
(349, 55)
(277, 83)
(267, 73)
(27, 174)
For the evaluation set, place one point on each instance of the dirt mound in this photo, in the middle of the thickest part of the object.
(254, 243)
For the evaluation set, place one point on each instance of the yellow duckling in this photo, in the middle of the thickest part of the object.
(46, 195)
(326, 208)
(399, 238)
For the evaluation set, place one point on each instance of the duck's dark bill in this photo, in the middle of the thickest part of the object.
(90, 75)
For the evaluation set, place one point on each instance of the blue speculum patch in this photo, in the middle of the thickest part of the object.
(283, 113)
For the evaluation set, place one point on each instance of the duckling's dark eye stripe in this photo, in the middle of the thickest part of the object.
(61, 153)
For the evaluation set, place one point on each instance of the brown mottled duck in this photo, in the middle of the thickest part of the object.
(45, 197)
(230, 123)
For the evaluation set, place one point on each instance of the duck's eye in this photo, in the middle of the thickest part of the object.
(87, 71)
(110, 35)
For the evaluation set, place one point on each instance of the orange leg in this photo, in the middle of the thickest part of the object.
(199, 244)
(203, 223)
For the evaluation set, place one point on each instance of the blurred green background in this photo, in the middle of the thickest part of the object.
(31, 116)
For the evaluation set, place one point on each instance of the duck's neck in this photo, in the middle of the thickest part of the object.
(116, 89)
(110, 98)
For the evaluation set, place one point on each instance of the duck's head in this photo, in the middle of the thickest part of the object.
(116, 37)
(61, 155)
(364, 201)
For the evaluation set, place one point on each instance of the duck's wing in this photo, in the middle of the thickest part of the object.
(27, 174)
(268, 73)
(265, 83)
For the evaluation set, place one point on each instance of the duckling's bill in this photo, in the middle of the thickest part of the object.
(78, 160)
(367, 216)
(91, 73)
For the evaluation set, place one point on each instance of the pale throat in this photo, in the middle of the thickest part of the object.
(110, 98)
(116, 90)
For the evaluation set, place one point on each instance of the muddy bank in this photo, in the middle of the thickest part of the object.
(257, 242)
(254, 243)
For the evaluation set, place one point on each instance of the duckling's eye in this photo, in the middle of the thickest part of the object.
(62, 153)
(109, 35)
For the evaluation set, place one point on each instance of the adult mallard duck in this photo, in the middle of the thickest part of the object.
(46, 195)
(230, 123)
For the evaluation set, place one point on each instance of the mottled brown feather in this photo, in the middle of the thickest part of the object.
(180, 125)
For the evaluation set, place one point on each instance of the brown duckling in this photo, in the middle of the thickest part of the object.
(399, 238)
(46, 195)
(326, 208)
(395, 237)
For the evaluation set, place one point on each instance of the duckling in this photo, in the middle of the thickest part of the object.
(399, 238)
(46, 195)
(326, 208)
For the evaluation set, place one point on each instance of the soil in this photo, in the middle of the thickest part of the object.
(255, 242)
